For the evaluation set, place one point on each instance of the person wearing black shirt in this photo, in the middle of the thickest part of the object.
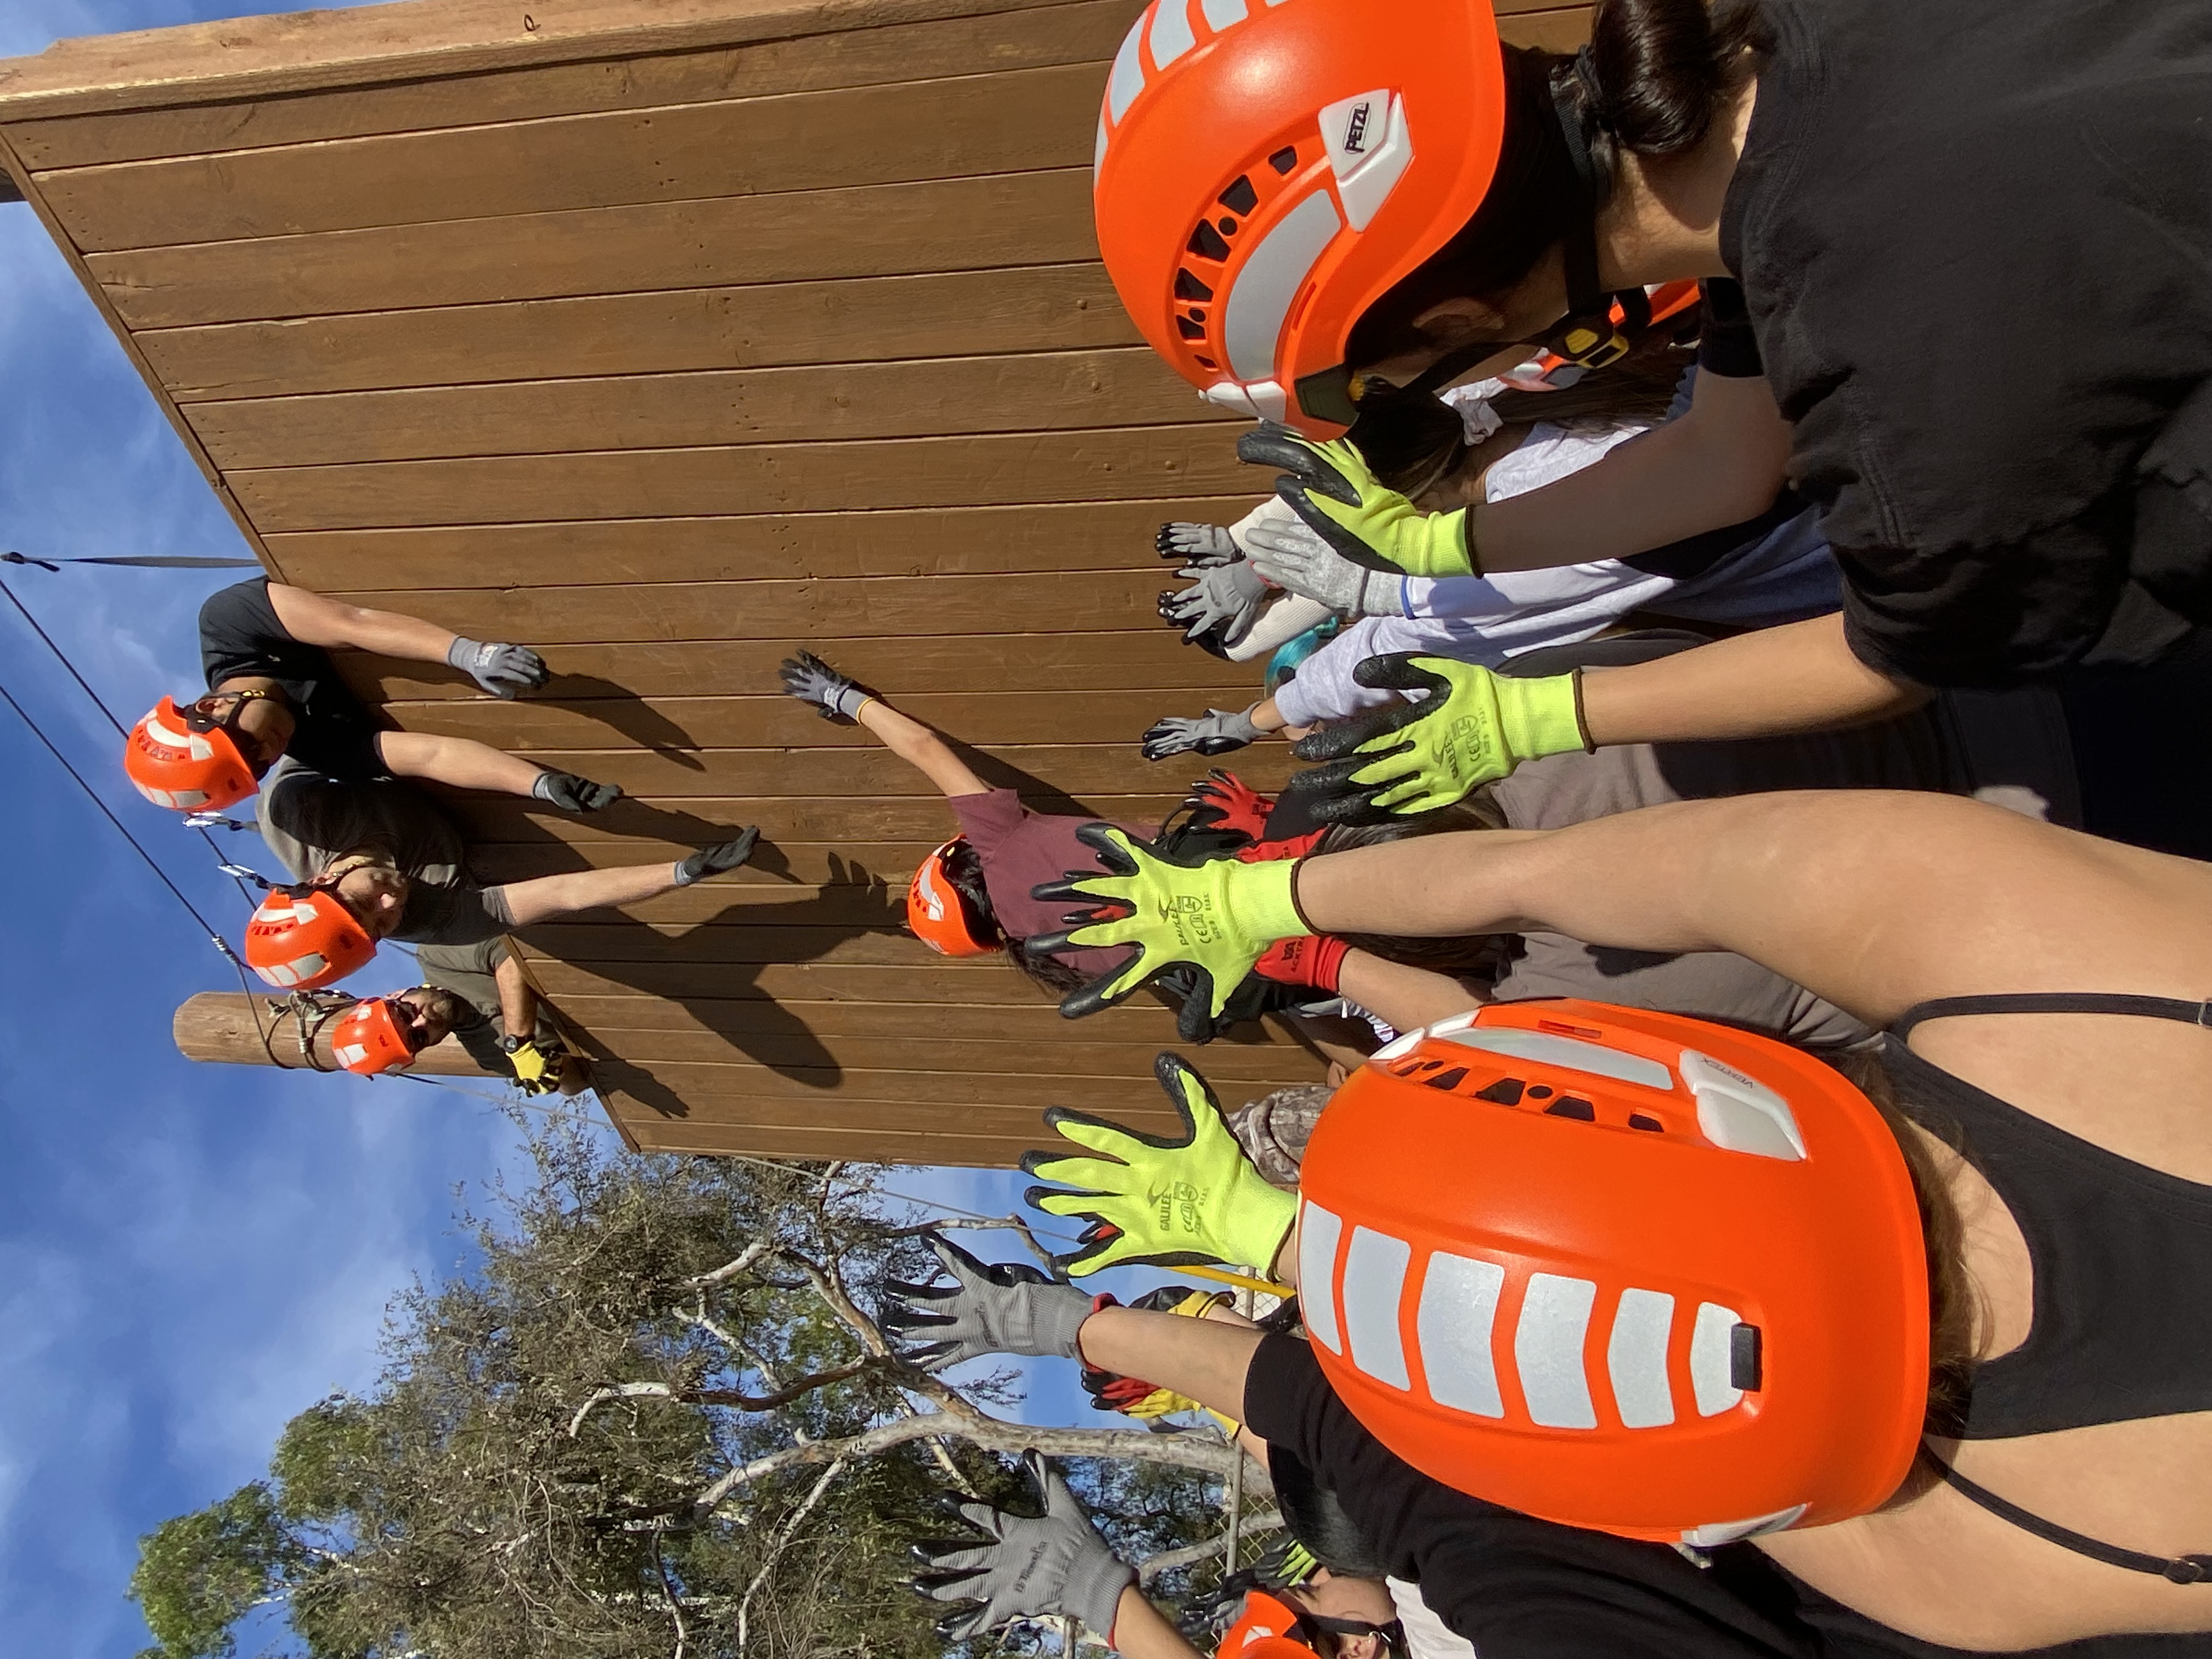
(273, 691)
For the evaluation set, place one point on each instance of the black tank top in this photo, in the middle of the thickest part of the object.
(2122, 1253)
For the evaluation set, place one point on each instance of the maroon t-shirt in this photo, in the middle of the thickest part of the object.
(1019, 849)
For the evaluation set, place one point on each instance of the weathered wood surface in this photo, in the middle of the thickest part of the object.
(667, 336)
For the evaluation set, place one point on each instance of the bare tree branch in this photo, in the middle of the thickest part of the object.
(746, 1258)
(832, 1291)
(675, 1603)
(776, 1549)
(1190, 1555)
(731, 1397)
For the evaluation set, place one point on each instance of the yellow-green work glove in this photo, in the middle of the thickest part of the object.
(538, 1071)
(1330, 486)
(1166, 1202)
(1217, 916)
(1472, 728)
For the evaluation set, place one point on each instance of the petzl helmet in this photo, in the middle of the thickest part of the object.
(940, 915)
(301, 938)
(1269, 1628)
(370, 1038)
(1621, 1270)
(1267, 172)
(180, 759)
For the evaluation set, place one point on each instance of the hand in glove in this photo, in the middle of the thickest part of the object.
(835, 697)
(505, 670)
(1314, 960)
(1218, 916)
(1052, 1566)
(1216, 732)
(573, 794)
(538, 1071)
(1473, 726)
(1223, 800)
(1220, 607)
(1330, 487)
(1147, 1402)
(1295, 556)
(1195, 1199)
(716, 861)
(1006, 1309)
(1195, 544)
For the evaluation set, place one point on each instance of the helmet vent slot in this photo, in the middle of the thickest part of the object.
(1240, 197)
(1645, 1120)
(1188, 287)
(1450, 1079)
(1746, 1370)
(1568, 1106)
(1188, 330)
(1207, 242)
(1284, 160)
(1506, 1091)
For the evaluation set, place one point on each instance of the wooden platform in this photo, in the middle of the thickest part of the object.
(665, 335)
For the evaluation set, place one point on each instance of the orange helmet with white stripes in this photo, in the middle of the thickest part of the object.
(185, 761)
(940, 915)
(302, 939)
(1621, 1270)
(1267, 172)
(370, 1038)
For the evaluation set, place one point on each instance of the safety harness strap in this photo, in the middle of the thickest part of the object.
(2179, 1570)
(2054, 1002)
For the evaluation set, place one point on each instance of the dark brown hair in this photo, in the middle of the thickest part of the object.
(1658, 74)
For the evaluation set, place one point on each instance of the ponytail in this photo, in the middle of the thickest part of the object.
(1657, 72)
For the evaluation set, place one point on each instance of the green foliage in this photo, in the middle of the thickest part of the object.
(498, 1495)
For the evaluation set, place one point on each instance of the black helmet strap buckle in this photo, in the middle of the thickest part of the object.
(1588, 336)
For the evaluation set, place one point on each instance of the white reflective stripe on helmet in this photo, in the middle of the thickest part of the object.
(1225, 14)
(297, 971)
(1318, 1233)
(924, 882)
(1712, 1372)
(194, 744)
(1548, 1350)
(1459, 1308)
(1636, 1358)
(1374, 1284)
(182, 801)
(349, 1055)
(1172, 34)
(1128, 79)
(1261, 297)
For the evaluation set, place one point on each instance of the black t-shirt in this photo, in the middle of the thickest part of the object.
(240, 634)
(1516, 1587)
(1977, 239)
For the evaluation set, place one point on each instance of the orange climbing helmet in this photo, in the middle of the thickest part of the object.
(370, 1038)
(1621, 1270)
(187, 760)
(301, 938)
(1269, 1628)
(940, 916)
(1267, 172)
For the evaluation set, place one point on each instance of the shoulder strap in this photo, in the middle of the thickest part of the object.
(2056, 1002)
(2179, 1570)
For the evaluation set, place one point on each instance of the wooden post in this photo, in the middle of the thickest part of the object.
(230, 1027)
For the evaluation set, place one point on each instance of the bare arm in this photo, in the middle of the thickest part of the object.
(1142, 1631)
(313, 619)
(1798, 678)
(462, 762)
(1719, 463)
(920, 748)
(1202, 1359)
(543, 898)
(1872, 899)
(1401, 997)
(517, 997)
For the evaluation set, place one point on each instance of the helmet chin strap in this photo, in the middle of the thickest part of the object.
(1589, 305)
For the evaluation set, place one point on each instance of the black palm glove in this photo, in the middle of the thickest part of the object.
(715, 860)
(573, 794)
(1008, 1308)
(837, 698)
(1053, 1566)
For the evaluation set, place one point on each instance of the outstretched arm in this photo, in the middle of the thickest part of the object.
(543, 898)
(920, 748)
(1202, 1359)
(461, 762)
(314, 619)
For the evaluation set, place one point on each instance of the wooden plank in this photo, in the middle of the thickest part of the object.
(857, 320)
(649, 830)
(986, 1102)
(682, 725)
(1154, 656)
(905, 607)
(987, 983)
(272, 56)
(1015, 122)
(1126, 386)
(938, 541)
(611, 1015)
(901, 472)
(1056, 33)
(800, 1050)
(596, 942)
(777, 867)
(1562, 29)
(990, 223)
(875, 774)
(653, 1134)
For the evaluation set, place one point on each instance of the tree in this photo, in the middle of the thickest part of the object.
(656, 1418)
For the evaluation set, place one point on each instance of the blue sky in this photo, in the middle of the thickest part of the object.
(189, 1255)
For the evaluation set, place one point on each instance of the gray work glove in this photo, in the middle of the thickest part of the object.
(1220, 607)
(1216, 732)
(573, 794)
(1293, 556)
(1196, 543)
(1053, 1566)
(505, 670)
(835, 697)
(1006, 1309)
(714, 860)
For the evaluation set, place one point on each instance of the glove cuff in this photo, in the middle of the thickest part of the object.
(461, 654)
(1261, 1217)
(1541, 717)
(1268, 901)
(1058, 1324)
(1092, 1593)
